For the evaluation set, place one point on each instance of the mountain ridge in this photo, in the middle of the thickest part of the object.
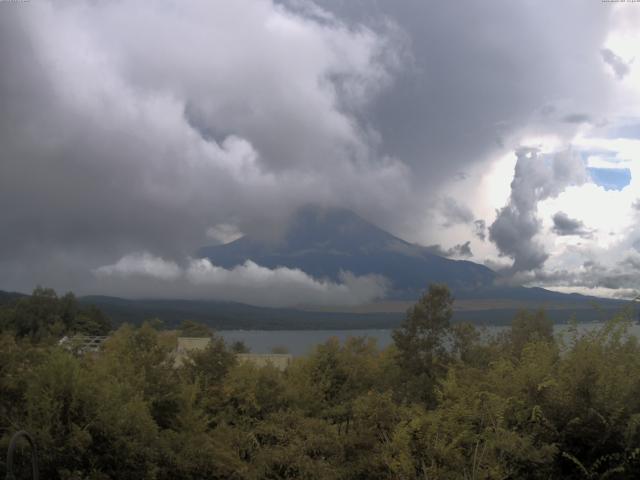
(322, 242)
(227, 315)
(233, 316)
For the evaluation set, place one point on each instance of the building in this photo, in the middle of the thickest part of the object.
(82, 343)
(192, 344)
(189, 344)
(280, 361)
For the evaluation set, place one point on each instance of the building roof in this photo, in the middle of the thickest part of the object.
(278, 360)
(83, 343)
(190, 344)
(187, 344)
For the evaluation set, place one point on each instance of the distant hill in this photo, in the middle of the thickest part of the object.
(8, 297)
(238, 316)
(235, 316)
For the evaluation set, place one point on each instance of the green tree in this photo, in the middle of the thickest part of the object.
(145, 356)
(279, 349)
(44, 316)
(421, 343)
(239, 347)
(189, 328)
(528, 327)
(440, 402)
(209, 365)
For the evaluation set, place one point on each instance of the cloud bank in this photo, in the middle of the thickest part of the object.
(144, 126)
(162, 126)
(145, 275)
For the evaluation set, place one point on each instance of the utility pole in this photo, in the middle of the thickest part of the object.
(11, 449)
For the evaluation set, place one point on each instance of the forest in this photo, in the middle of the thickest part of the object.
(442, 402)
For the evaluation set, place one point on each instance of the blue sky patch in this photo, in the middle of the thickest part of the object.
(625, 131)
(610, 178)
(609, 155)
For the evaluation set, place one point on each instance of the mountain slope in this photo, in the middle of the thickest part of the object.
(324, 242)
(10, 297)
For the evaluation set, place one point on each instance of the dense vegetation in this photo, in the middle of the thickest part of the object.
(44, 316)
(441, 403)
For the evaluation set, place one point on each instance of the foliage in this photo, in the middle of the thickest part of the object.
(44, 316)
(442, 402)
(421, 343)
(189, 328)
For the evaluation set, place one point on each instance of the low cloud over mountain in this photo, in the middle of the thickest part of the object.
(161, 126)
(143, 275)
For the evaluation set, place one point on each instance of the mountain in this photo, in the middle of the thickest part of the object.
(234, 316)
(10, 297)
(325, 241)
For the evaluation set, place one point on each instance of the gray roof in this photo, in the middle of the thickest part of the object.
(190, 344)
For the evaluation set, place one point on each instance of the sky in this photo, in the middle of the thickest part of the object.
(133, 133)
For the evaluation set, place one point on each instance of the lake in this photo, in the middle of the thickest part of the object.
(300, 342)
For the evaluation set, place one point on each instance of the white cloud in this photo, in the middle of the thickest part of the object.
(597, 161)
(283, 286)
(224, 233)
(141, 264)
(603, 292)
(144, 275)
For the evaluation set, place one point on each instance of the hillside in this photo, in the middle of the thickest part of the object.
(234, 316)
(323, 242)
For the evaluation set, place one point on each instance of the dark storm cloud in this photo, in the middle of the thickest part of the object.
(537, 177)
(105, 153)
(461, 250)
(563, 225)
(479, 71)
(455, 213)
(576, 118)
(480, 229)
(138, 128)
(617, 64)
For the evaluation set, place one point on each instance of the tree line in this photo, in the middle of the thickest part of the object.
(442, 402)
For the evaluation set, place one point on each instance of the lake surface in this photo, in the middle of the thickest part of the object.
(300, 342)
